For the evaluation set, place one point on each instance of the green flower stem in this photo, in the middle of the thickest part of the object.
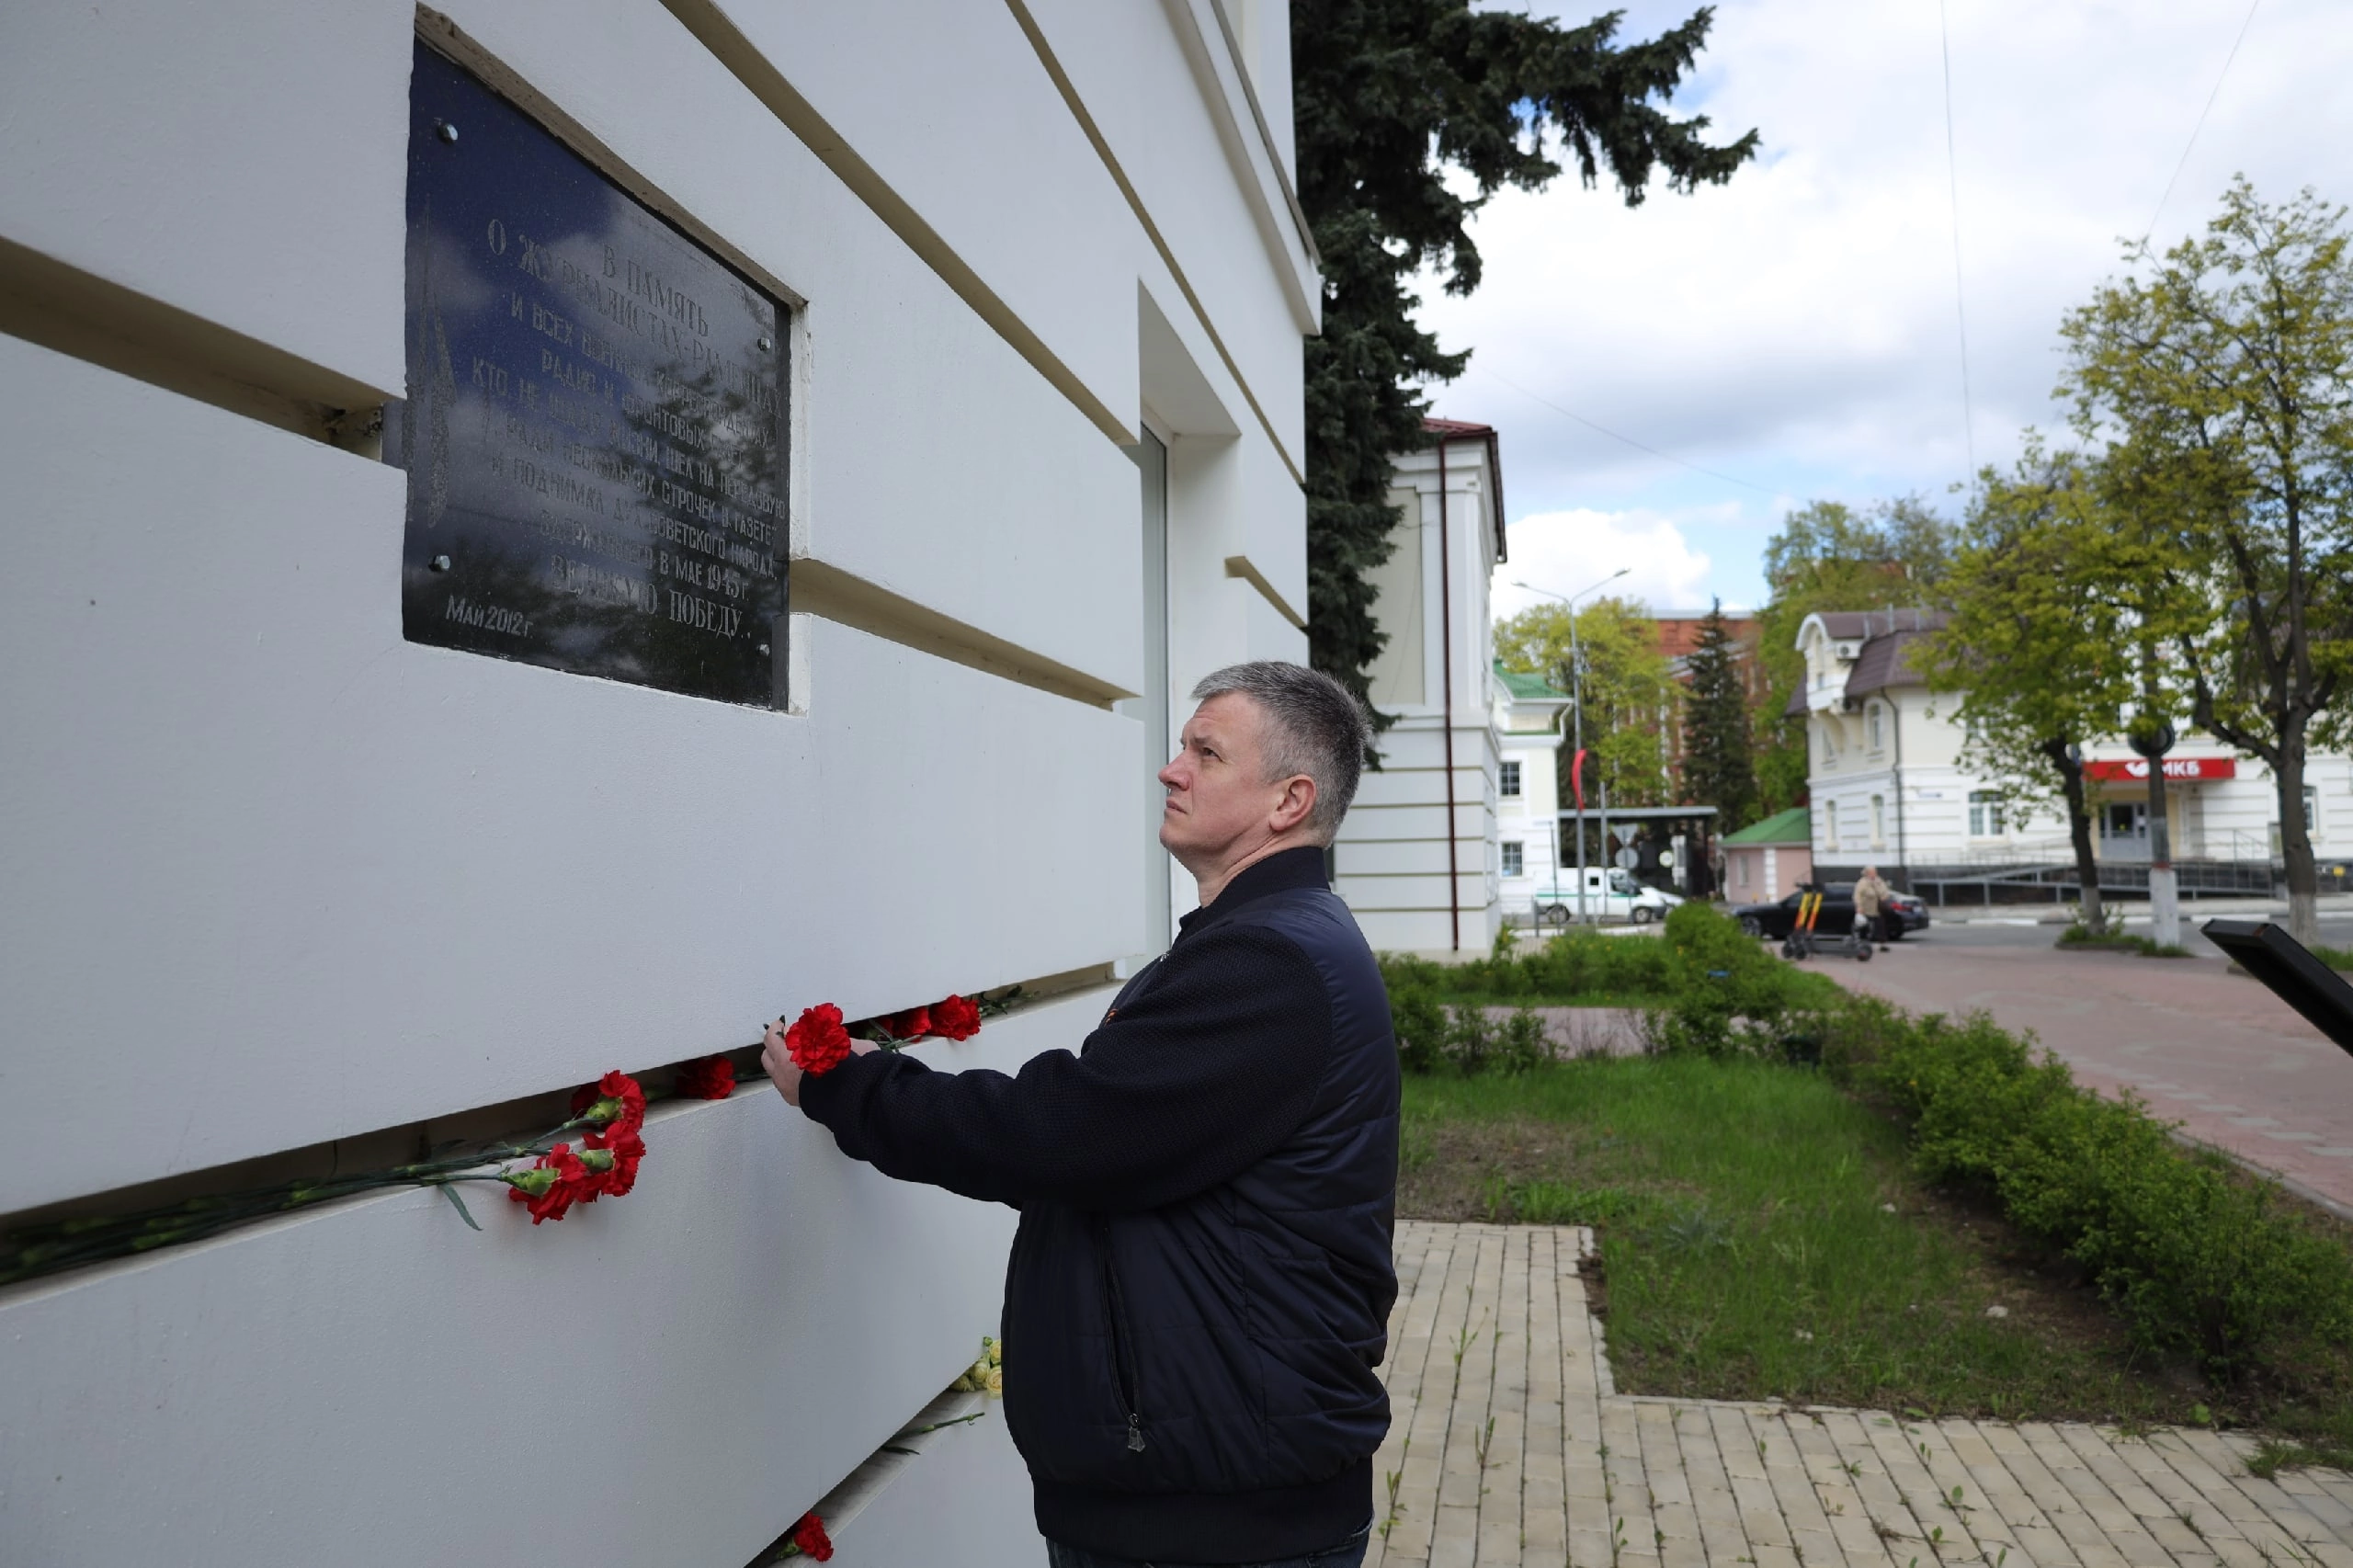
(35, 1250)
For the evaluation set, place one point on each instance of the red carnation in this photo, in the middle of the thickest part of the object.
(956, 1019)
(912, 1024)
(816, 1041)
(614, 1102)
(626, 1149)
(809, 1535)
(551, 1187)
(710, 1078)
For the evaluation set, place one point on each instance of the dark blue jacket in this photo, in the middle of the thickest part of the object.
(1199, 1293)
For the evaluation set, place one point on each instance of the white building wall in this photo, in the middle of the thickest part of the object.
(1394, 857)
(272, 876)
(2228, 819)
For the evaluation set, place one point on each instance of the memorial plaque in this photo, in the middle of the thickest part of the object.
(595, 426)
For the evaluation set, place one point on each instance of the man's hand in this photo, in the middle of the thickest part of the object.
(777, 1059)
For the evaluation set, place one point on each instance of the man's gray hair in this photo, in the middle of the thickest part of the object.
(1314, 725)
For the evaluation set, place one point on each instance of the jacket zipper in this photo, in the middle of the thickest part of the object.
(1116, 1312)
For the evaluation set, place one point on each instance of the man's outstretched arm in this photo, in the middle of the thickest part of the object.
(1201, 1077)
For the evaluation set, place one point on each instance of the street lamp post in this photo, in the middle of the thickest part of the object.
(1576, 711)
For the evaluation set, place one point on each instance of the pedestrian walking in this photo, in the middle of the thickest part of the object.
(1200, 1288)
(1873, 916)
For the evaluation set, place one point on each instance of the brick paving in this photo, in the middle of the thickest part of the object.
(2216, 1052)
(1509, 1446)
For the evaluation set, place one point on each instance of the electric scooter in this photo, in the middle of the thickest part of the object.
(1804, 940)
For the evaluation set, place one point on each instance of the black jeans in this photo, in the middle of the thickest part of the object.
(1348, 1553)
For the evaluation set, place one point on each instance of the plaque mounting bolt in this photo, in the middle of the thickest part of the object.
(444, 129)
(766, 343)
(439, 563)
(764, 650)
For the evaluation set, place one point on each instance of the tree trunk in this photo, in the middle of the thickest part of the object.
(2079, 832)
(2296, 835)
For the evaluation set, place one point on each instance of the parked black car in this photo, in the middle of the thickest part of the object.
(1837, 916)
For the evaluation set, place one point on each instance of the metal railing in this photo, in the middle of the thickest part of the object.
(2020, 877)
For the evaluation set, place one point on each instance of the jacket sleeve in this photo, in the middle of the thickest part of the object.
(1206, 1073)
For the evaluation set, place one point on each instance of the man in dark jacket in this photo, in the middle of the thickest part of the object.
(1200, 1289)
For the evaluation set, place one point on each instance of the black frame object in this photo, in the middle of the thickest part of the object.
(595, 431)
(2294, 975)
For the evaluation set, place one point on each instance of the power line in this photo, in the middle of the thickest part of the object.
(1959, 309)
(1613, 434)
(2220, 77)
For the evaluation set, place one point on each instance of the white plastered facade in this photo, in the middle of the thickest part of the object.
(1890, 784)
(1421, 879)
(272, 876)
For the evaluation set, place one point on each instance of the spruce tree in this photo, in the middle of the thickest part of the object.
(1719, 769)
(1389, 97)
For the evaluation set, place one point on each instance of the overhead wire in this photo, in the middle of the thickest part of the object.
(1959, 305)
(1629, 441)
(2220, 77)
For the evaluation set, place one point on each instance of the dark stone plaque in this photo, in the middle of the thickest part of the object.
(593, 433)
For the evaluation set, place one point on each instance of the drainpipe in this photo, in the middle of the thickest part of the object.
(1446, 699)
(1902, 841)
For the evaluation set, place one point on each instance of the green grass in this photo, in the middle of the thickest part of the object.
(1748, 1249)
(2335, 958)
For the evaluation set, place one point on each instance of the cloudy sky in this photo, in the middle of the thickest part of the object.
(1794, 332)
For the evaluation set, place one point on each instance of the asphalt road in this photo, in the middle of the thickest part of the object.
(2212, 1049)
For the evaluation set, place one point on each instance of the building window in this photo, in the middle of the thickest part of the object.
(1872, 724)
(1830, 827)
(1513, 856)
(1879, 822)
(1510, 772)
(1745, 862)
(1986, 813)
(2311, 811)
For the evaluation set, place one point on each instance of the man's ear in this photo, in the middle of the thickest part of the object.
(1298, 803)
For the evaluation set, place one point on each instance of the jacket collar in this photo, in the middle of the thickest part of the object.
(1280, 872)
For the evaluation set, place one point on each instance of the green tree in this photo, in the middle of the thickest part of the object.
(1410, 114)
(2040, 650)
(1627, 693)
(1828, 556)
(2223, 379)
(1718, 768)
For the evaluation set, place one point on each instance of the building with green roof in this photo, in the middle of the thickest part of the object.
(1768, 858)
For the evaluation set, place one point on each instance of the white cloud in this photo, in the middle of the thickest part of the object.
(1796, 328)
(1568, 551)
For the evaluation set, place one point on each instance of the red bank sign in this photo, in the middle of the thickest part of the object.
(2187, 769)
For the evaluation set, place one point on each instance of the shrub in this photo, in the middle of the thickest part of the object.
(1521, 1047)
(1577, 966)
(1731, 996)
(1420, 1025)
(1470, 1041)
(1432, 1035)
(2197, 1256)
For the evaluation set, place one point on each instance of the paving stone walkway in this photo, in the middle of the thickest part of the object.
(1509, 1446)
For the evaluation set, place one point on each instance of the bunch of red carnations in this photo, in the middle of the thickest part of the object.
(818, 1041)
(604, 1165)
(808, 1540)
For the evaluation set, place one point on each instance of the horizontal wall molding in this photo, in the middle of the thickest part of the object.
(1239, 566)
(71, 312)
(719, 34)
(826, 591)
(1102, 145)
(516, 1119)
